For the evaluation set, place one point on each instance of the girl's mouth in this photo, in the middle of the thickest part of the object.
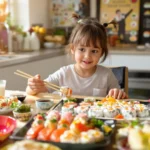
(87, 62)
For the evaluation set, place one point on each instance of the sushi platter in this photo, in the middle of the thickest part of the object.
(82, 123)
(106, 108)
(67, 131)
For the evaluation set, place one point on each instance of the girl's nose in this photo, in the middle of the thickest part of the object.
(87, 54)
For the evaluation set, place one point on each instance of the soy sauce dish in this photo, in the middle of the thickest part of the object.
(21, 97)
(44, 104)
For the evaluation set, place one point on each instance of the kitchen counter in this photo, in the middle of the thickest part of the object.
(24, 57)
(129, 51)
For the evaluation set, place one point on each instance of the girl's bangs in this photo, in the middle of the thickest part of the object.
(87, 39)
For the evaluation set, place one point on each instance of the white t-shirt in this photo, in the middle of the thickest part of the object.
(98, 84)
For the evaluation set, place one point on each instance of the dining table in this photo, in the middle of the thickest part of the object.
(30, 99)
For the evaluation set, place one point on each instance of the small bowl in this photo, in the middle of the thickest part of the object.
(21, 97)
(49, 45)
(7, 126)
(44, 104)
(23, 116)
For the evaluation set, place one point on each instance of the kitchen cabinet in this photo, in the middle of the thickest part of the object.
(135, 62)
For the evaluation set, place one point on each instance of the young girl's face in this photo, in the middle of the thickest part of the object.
(87, 57)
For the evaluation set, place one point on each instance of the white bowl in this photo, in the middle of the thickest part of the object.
(49, 45)
(22, 116)
(44, 104)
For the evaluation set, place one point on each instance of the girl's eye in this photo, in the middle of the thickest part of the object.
(82, 49)
(94, 51)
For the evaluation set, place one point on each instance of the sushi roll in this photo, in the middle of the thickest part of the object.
(110, 112)
(95, 111)
(91, 136)
(82, 116)
(38, 119)
(63, 124)
(50, 123)
(89, 99)
(85, 137)
(68, 107)
(142, 110)
(68, 116)
(81, 109)
(54, 114)
(88, 104)
(66, 91)
(69, 137)
(96, 134)
(80, 125)
(118, 108)
(129, 112)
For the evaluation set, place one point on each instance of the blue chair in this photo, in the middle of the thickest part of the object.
(121, 73)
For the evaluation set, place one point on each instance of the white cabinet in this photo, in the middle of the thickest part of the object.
(43, 67)
(133, 62)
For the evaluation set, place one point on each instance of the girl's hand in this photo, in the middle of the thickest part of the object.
(117, 94)
(36, 85)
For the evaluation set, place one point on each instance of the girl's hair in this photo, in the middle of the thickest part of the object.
(89, 31)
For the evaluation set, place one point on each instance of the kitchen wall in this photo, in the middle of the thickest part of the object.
(29, 12)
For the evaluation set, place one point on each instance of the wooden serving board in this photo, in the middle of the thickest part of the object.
(56, 98)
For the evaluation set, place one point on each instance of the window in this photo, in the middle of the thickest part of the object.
(3, 10)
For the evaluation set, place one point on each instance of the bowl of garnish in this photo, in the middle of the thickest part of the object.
(22, 112)
(7, 126)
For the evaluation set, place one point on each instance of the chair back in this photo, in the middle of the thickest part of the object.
(121, 73)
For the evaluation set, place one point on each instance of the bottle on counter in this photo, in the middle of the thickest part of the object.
(3, 38)
(20, 40)
(10, 41)
(27, 42)
(34, 41)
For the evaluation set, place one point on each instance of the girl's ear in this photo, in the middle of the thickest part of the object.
(72, 48)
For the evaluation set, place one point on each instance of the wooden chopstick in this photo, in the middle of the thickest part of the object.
(25, 75)
(30, 76)
(21, 75)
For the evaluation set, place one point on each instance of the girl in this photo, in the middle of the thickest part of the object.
(87, 44)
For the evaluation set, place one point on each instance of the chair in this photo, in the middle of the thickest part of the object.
(121, 73)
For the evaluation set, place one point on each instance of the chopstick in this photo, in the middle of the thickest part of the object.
(26, 75)
(30, 76)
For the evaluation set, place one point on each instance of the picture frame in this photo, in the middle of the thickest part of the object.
(61, 11)
(125, 14)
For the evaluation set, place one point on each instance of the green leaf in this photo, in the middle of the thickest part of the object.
(97, 122)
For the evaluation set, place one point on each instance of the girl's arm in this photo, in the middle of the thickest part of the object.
(114, 88)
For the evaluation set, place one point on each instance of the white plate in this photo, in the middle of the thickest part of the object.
(5, 111)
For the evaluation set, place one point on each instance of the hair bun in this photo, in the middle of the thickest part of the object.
(75, 16)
